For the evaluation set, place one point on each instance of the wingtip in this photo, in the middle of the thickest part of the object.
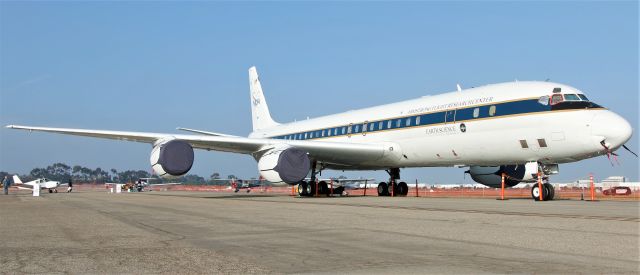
(10, 126)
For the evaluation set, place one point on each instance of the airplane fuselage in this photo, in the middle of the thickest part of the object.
(507, 123)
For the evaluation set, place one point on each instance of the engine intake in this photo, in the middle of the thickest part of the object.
(289, 165)
(171, 158)
(492, 175)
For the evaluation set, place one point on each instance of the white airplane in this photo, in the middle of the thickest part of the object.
(43, 182)
(143, 183)
(516, 128)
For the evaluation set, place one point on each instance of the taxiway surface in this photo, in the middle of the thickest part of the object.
(182, 232)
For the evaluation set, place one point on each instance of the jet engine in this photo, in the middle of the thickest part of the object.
(286, 164)
(492, 175)
(171, 158)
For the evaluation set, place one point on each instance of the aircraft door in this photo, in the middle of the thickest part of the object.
(450, 116)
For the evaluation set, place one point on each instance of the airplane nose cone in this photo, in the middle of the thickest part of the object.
(616, 130)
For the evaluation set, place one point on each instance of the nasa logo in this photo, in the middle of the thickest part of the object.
(256, 97)
(463, 128)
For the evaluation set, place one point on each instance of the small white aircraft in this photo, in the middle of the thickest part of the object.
(43, 182)
(520, 129)
(143, 183)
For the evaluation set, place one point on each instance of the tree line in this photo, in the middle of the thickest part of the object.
(80, 174)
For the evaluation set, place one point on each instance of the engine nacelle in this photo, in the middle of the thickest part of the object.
(492, 175)
(284, 165)
(171, 158)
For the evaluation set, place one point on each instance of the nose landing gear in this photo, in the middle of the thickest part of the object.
(548, 192)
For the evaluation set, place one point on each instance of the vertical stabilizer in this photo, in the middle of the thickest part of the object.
(259, 109)
(16, 180)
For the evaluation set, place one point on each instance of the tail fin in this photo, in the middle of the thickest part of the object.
(16, 180)
(259, 109)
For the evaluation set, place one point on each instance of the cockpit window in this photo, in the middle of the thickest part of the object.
(544, 100)
(583, 97)
(555, 99)
(571, 97)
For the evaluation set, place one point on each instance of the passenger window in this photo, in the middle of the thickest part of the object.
(476, 112)
(344, 130)
(324, 132)
(418, 120)
(389, 124)
(357, 129)
(555, 99)
(492, 110)
(544, 100)
(380, 125)
(310, 134)
(542, 142)
(398, 123)
(305, 135)
(349, 129)
(571, 97)
(523, 144)
(408, 123)
(371, 125)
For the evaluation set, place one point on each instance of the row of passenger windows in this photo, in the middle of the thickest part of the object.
(433, 118)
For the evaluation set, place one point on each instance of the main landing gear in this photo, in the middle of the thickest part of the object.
(392, 188)
(311, 188)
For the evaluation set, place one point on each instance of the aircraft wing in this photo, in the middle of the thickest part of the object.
(332, 152)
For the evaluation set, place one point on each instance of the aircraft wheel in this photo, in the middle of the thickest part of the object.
(323, 188)
(402, 188)
(549, 190)
(50, 191)
(311, 189)
(302, 188)
(382, 189)
(535, 193)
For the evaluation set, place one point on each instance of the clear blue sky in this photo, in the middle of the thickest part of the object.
(154, 66)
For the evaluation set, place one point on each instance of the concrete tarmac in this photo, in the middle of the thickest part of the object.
(191, 233)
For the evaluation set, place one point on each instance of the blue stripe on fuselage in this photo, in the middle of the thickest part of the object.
(452, 115)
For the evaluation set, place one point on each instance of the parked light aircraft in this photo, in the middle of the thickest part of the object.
(516, 128)
(43, 182)
(142, 183)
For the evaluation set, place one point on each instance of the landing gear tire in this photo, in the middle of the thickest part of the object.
(323, 188)
(535, 192)
(550, 190)
(402, 189)
(382, 189)
(302, 188)
(50, 191)
(311, 189)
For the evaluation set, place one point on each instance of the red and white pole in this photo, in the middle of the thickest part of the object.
(540, 192)
(593, 188)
